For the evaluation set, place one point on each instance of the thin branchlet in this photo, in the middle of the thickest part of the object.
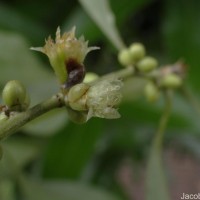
(18, 119)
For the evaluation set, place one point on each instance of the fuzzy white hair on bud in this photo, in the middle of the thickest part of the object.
(103, 99)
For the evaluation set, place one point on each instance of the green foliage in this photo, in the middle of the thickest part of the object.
(105, 19)
(156, 177)
(62, 190)
(78, 145)
(181, 35)
(86, 157)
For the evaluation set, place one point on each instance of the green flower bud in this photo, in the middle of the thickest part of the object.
(137, 51)
(147, 64)
(171, 81)
(152, 92)
(76, 97)
(124, 57)
(90, 76)
(14, 94)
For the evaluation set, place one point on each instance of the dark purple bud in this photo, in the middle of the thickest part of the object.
(75, 71)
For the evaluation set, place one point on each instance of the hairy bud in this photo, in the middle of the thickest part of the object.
(103, 98)
(98, 100)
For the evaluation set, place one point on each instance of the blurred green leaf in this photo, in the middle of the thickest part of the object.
(17, 153)
(181, 32)
(61, 190)
(11, 19)
(7, 190)
(18, 62)
(101, 13)
(138, 112)
(84, 25)
(48, 124)
(72, 148)
(122, 11)
(155, 178)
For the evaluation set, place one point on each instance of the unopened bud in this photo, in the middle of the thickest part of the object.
(124, 57)
(171, 81)
(147, 64)
(152, 92)
(76, 97)
(90, 76)
(137, 51)
(14, 94)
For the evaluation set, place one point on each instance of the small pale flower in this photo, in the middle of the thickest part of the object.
(103, 99)
(66, 55)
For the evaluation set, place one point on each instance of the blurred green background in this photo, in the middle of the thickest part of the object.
(52, 158)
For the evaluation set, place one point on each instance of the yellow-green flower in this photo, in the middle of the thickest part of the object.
(66, 53)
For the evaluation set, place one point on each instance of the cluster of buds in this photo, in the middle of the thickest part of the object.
(167, 77)
(135, 56)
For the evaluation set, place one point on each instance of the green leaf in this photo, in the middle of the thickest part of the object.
(156, 180)
(72, 148)
(181, 32)
(48, 124)
(7, 189)
(15, 21)
(101, 13)
(123, 11)
(84, 25)
(61, 190)
(17, 153)
(18, 62)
